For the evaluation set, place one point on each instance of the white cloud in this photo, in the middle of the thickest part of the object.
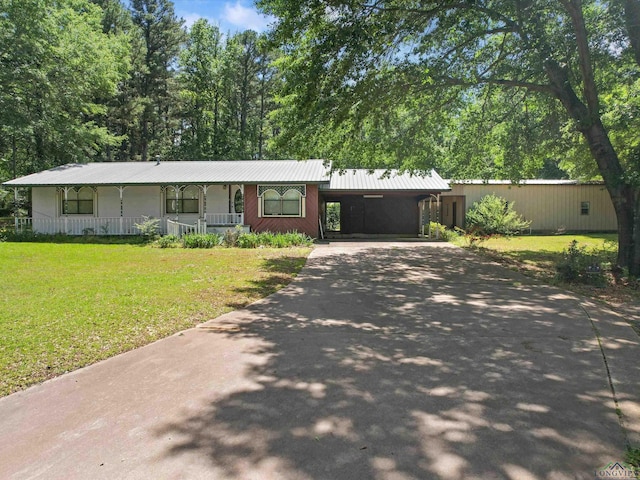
(190, 18)
(245, 18)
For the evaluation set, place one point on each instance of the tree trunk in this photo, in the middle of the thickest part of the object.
(592, 129)
(14, 157)
(632, 20)
(634, 260)
(620, 191)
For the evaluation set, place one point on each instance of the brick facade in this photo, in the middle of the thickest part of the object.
(307, 224)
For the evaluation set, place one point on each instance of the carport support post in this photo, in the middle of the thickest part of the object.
(421, 218)
(429, 218)
(437, 197)
(438, 216)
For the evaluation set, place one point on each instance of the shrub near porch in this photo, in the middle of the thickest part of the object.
(63, 306)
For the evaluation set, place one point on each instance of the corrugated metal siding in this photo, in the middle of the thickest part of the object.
(308, 224)
(140, 173)
(550, 206)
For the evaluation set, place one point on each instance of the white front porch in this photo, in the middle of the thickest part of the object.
(71, 225)
(115, 210)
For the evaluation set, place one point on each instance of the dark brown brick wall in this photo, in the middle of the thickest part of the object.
(308, 224)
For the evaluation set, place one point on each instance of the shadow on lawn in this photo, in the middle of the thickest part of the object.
(411, 363)
(541, 264)
(280, 272)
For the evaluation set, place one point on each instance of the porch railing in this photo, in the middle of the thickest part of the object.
(224, 218)
(80, 226)
(120, 225)
(179, 229)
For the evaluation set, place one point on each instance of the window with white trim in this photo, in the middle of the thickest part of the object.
(78, 201)
(282, 200)
(585, 208)
(182, 200)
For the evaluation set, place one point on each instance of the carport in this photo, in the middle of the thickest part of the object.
(361, 202)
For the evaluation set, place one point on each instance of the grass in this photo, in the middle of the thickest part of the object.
(64, 306)
(539, 253)
(537, 256)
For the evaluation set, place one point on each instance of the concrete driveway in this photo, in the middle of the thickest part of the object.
(389, 361)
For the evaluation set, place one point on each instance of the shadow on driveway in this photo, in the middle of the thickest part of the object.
(407, 361)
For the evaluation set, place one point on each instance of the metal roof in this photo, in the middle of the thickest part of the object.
(537, 181)
(381, 180)
(167, 173)
(223, 172)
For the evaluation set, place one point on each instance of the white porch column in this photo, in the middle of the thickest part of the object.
(243, 205)
(177, 189)
(66, 208)
(15, 208)
(204, 189)
(121, 193)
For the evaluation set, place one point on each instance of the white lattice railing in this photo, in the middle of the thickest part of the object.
(80, 226)
(120, 225)
(224, 219)
(179, 229)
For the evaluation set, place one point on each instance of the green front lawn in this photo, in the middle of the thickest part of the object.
(540, 253)
(64, 306)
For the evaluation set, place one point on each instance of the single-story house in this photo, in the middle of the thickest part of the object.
(550, 205)
(278, 195)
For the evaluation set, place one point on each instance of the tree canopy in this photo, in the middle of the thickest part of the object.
(476, 88)
(486, 86)
(108, 80)
(55, 62)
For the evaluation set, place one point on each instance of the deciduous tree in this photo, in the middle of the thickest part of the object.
(55, 62)
(374, 72)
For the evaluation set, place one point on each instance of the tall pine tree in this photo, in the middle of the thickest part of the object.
(162, 35)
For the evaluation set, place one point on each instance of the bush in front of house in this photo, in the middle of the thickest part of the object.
(149, 228)
(581, 265)
(273, 240)
(493, 215)
(202, 240)
(168, 241)
(435, 229)
(230, 237)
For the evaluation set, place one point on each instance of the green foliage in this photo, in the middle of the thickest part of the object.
(442, 232)
(230, 238)
(274, 240)
(168, 241)
(508, 135)
(10, 235)
(489, 89)
(333, 217)
(226, 89)
(57, 68)
(493, 215)
(452, 86)
(149, 228)
(581, 265)
(162, 35)
(202, 240)
(632, 457)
